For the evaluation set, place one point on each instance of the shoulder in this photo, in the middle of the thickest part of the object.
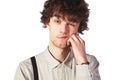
(91, 57)
(25, 69)
(25, 65)
(27, 62)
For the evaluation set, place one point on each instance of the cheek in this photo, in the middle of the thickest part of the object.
(74, 30)
(52, 32)
(52, 29)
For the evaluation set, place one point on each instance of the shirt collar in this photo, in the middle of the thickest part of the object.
(52, 62)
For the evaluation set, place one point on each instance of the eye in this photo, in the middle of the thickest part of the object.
(71, 24)
(57, 21)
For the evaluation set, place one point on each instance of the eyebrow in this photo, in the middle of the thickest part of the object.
(57, 16)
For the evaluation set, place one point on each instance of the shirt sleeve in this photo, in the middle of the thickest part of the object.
(24, 71)
(88, 71)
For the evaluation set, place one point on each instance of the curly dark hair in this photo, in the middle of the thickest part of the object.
(73, 10)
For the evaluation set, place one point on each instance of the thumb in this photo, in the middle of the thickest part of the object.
(69, 43)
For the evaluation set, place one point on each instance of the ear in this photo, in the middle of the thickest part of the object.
(47, 25)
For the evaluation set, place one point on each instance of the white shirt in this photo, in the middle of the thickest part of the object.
(51, 69)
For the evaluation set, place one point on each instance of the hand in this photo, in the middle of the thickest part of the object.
(78, 47)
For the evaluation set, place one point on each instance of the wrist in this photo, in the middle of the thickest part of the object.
(86, 63)
(82, 63)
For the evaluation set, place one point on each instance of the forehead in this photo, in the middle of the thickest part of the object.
(69, 18)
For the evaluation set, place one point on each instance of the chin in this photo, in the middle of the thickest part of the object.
(62, 46)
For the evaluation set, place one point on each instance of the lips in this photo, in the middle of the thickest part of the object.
(62, 37)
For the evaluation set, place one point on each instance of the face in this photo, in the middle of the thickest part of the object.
(60, 31)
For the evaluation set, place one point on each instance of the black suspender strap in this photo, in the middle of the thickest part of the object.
(35, 70)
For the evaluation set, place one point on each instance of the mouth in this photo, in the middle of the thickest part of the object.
(62, 37)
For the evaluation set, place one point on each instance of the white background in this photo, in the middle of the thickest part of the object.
(22, 35)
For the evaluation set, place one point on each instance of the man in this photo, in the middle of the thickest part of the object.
(65, 58)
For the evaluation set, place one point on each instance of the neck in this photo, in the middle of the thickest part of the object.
(58, 53)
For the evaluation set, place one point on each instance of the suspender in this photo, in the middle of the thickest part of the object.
(35, 71)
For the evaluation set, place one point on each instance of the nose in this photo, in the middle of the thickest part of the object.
(64, 27)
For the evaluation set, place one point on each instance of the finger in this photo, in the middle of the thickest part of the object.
(77, 34)
(80, 39)
(68, 43)
(74, 37)
(71, 41)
